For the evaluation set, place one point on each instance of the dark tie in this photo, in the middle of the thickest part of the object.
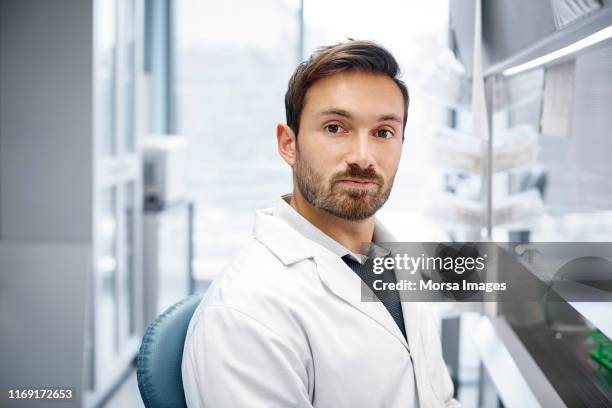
(389, 298)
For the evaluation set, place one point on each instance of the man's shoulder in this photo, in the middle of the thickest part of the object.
(255, 274)
(257, 285)
(254, 261)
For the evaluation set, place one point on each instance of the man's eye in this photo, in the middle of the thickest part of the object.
(333, 128)
(384, 133)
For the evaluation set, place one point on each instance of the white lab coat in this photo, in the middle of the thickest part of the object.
(284, 326)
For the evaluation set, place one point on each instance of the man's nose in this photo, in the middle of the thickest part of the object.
(361, 151)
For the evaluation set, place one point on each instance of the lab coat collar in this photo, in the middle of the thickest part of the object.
(289, 246)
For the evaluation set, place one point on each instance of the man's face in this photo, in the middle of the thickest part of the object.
(349, 143)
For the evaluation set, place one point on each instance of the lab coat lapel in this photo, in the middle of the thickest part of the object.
(345, 283)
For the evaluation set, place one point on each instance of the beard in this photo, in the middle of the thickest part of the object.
(351, 204)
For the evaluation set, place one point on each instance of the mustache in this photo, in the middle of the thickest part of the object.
(356, 172)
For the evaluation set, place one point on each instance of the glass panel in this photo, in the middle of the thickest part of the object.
(517, 173)
(107, 58)
(129, 66)
(558, 185)
(106, 268)
(559, 182)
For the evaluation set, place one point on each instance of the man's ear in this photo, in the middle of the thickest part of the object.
(287, 143)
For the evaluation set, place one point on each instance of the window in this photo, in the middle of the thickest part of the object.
(232, 72)
(234, 59)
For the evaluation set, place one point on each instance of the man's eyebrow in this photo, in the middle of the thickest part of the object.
(391, 117)
(341, 112)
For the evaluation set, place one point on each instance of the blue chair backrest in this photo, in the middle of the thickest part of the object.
(158, 365)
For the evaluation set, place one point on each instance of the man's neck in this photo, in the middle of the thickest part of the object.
(350, 234)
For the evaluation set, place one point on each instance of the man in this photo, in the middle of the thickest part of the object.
(285, 325)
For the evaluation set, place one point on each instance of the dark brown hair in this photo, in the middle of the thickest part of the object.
(352, 55)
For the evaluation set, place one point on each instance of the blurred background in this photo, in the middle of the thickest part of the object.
(137, 138)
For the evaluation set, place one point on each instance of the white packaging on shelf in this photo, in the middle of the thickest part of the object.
(446, 82)
(456, 150)
(517, 207)
(518, 146)
(459, 151)
(458, 211)
(519, 90)
(452, 209)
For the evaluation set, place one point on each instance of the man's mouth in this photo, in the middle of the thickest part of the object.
(359, 183)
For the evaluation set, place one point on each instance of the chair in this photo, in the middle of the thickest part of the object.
(158, 364)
